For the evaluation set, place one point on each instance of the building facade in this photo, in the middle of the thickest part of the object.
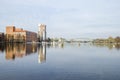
(14, 34)
(1, 37)
(41, 32)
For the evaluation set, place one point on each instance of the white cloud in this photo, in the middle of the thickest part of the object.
(63, 17)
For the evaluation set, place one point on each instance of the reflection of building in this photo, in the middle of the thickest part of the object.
(42, 32)
(1, 37)
(19, 50)
(2, 47)
(41, 53)
(14, 34)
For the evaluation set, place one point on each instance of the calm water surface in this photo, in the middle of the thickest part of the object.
(59, 62)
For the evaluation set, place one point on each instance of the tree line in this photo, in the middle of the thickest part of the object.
(108, 40)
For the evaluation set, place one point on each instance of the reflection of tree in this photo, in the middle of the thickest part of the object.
(109, 45)
(111, 40)
(117, 46)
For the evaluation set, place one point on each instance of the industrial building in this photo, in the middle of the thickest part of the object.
(14, 34)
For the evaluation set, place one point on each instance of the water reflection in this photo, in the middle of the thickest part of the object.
(19, 50)
(71, 61)
(55, 45)
(108, 45)
(2, 47)
(41, 53)
(42, 50)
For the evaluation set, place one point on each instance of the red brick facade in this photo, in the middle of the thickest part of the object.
(14, 34)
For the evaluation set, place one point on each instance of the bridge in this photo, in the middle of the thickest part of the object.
(80, 40)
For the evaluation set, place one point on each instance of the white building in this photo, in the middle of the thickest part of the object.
(42, 32)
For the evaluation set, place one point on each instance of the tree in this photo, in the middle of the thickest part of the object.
(111, 40)
(117, 39)
(49, 40)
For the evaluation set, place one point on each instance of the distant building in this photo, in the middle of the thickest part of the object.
(1, 37)
(14, 34)
(41, 32)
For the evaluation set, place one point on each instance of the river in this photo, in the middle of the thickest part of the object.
(68, 61)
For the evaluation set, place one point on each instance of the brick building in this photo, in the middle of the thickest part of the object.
(14, 34)
(1, 37)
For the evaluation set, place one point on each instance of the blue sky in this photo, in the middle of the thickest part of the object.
(64, 18)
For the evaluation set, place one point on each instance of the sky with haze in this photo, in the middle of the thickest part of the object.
(64, 18)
